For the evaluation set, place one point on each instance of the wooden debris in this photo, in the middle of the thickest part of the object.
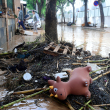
(2, 72)
(102, 64)
(106, 82)
(101, 105)
(85, 105)
(28, 91)
(65, 50)
(94, 61)
(69, 105)
(73, 51)
(101, 75)
(58, 49)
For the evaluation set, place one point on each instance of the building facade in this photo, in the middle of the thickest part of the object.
(8, 20)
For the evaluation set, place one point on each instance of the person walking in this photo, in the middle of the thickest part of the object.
(35, 21)
(20, 18)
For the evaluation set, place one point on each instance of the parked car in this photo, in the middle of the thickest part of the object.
(28, 21)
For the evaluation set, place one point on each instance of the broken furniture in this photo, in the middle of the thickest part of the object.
(59, 49)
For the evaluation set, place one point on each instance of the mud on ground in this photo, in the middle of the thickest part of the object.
(42, 67)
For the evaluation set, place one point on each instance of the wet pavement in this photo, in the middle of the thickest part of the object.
(95, 40)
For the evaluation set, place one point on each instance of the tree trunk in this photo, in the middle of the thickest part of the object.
(86, 24)
(39, 10)
(51, 22)
(62, 15)
(101, 13)
(73, 13)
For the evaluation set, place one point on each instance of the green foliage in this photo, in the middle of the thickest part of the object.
(31, 4)
(101, 1)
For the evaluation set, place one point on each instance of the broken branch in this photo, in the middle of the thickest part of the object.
(101, 75)
(85, 104)
(28, 91)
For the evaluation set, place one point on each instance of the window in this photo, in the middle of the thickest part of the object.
(10, 4)
(0, 2)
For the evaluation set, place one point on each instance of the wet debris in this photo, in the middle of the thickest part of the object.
(41, 66)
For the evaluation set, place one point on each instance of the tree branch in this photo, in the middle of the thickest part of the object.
(69, 1)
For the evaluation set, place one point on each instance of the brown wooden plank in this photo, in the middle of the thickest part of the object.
(57, 48)
(65, 50)
(73, 51)
(51, 52)
(46, 48)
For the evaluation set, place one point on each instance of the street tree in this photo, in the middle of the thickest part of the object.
(101, 12)
(51, 21)
(85, 18)
(60, 5)
(72, 3)
(41, 7)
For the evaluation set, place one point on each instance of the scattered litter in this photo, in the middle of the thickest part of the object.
(28, 33)
(106, 82)
(100, 88)
(79, 58)
(66, 64)
(66, 69)
(23, 55)
(1, 48)
(95, 67)
(10, 93)
(46, 78)
(27, 77)
(62, 75)
(15, 50)
(36, 81)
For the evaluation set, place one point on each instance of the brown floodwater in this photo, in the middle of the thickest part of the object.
(38, 103)
(95, 40)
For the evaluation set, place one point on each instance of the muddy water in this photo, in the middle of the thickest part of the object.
(38, 103)
(94, 40)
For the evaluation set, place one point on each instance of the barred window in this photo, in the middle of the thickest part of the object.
(0, 2)
(10, 4)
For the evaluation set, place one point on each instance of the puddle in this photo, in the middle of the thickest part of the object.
(42, 104)
(18, 39)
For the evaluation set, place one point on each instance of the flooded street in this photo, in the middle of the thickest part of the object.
(96, 41)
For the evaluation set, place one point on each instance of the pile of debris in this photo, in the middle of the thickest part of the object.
(29, 69)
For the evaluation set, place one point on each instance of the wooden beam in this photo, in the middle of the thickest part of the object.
(73, 51)
(57, 48)
(48, 47)
(65, 50)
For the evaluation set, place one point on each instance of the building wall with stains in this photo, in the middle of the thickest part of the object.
(11, 28)
(3, 38)
(8, 23)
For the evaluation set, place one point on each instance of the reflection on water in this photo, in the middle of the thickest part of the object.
(41, 104)
(95, 41)
(19, 39)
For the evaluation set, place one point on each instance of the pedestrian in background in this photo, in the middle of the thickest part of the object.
(35, 21)
(20, 18)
